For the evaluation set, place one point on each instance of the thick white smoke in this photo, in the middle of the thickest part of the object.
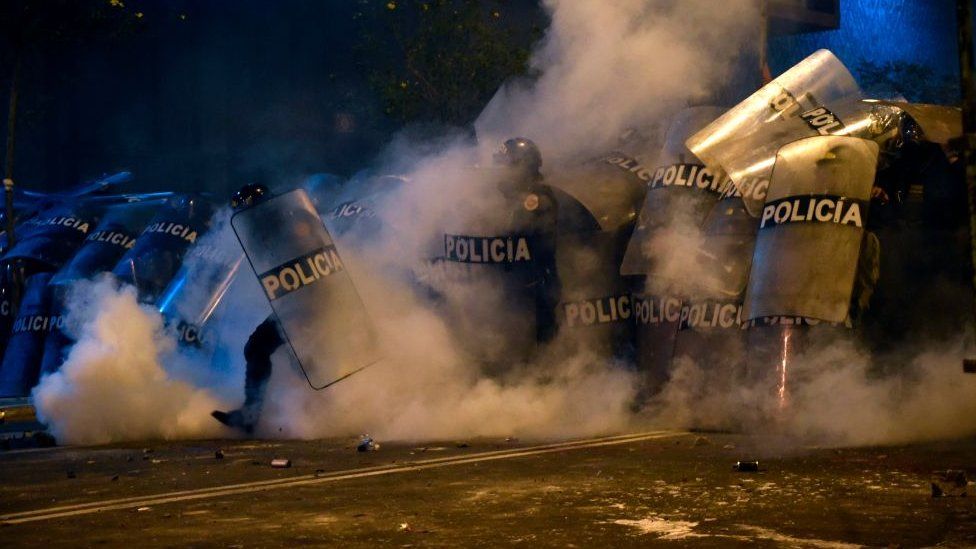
(604, 67)
(113, 385)
(608, 66)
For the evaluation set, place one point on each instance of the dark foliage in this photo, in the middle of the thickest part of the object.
(439, 60)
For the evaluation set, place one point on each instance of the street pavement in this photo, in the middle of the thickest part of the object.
(630, 489)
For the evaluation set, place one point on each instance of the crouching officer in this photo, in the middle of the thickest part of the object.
(263, 342)
(317, 310)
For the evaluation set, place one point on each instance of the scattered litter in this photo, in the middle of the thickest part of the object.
(367, 444)
(219, 454)
(511, 439)
(143, 509)
(147, 450)
(750, 466)
(702, 441)
(729, 446)
(404, 527)
(319, 472)
(662, 528)
(951, 483)
(115, 478)
(281, 463)
(461, 445)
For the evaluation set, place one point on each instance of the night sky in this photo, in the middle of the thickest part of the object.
(249, 90)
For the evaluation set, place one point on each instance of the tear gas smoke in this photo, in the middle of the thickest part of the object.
(602, 67)
(113, 385)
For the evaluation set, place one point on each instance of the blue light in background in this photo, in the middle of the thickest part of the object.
(917, 31)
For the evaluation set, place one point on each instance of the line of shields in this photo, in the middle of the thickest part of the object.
(737, 246)
(754, 248)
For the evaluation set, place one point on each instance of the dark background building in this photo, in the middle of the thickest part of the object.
(207, 95)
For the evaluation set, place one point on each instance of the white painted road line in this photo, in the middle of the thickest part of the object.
(305, 480)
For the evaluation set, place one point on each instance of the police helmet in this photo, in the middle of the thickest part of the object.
(520, 153)
(248, 195)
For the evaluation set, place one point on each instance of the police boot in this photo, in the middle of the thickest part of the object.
(235, 419)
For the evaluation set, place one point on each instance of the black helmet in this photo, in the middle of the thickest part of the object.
(248, 195)
(520, 153)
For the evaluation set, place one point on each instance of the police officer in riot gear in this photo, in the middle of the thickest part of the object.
(262, 343)
(533, 208)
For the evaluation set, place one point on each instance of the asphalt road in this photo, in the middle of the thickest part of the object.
(629, 490)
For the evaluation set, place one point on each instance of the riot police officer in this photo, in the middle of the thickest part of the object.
(533, 208)
(262, 343)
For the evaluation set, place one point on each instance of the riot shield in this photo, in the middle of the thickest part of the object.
(595, 307)
(680, 192)
(490, 270)
(712, 336)
(656, 319)
(352, 213)
(159, 249)
(7, 305)
(743, 141)
(20, 369)
(811, 228)
(610, 188)
(313, 296)
(777, 366)
(103, 247)
(939, 123)
(191, 299)
(53, 236)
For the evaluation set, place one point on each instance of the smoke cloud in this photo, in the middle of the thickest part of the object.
(113, 385)
(602, 67)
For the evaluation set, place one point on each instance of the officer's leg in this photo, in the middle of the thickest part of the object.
(262, 343)
(257, 353)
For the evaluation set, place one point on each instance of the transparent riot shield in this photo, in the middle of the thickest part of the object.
(743, 141)
(939, 123)
(114, 235)
(353, 213)
(318, 308)
(656, 319)
(595, 308)
(21, 365)
(610, 187)
(680, 192)
(159, 249)
(198, 289)
(811, 228)
(53, 236)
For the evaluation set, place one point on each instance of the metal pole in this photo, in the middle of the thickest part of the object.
(8, 176)
(964, 22)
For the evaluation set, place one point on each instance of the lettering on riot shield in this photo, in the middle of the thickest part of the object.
(300, 272)
(351, 209)
(786, 105)
(711, 315)
(748, 188)
(693, 176)
(813, 209)
(591, 312)
(186, 232)
(488, 249)
(629, 164)
(37, 323)
(654, 310)
(115, 238)
(822, 120)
